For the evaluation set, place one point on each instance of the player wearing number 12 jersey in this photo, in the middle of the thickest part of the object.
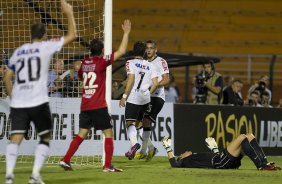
(29, 94)
(94, 111)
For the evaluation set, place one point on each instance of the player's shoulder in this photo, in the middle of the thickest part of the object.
(134, 60)
(160, 59)
(51, 41)
(54, 39)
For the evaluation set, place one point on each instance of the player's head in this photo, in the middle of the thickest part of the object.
(139, 48)
(96, 47)
(38, 31)
(151, 49)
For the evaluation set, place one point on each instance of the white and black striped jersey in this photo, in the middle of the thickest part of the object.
(144, 72)
(30, 63)
(161, 68)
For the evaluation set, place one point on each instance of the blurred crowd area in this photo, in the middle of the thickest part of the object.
(63, 82)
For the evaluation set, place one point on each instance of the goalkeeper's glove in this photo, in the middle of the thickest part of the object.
(212, 145)
(167, 144)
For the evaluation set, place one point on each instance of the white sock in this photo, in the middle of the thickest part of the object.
(145, 139)
(11, 158)
(140, 133)
(41, 153)
(150, 144)
(132, 135)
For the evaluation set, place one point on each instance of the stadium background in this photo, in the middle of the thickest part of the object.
(244, 34)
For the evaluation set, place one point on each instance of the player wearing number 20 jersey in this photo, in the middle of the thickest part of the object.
(30, 63)
(29, 94)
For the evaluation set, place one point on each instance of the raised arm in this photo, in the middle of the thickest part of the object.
(68, 10)
(126, 26)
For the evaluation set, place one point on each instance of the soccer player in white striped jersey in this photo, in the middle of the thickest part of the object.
(29, 94)
(142, 81)
(157, 101)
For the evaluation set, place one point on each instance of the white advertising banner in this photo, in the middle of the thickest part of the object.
(65, 117)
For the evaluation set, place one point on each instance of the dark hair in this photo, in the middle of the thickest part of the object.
(152, 42)
(96, 47)
(139, 48)
(210, 62)
(38, 30)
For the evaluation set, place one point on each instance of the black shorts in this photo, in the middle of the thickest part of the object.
(154, 109)
(135, 112)
(98, 118)
(39, 115)
(226, 161)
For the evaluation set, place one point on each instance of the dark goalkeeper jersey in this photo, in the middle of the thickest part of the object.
(196, 160)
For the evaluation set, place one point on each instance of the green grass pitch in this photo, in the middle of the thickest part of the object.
(158, 171)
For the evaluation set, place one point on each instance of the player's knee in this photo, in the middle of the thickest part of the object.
(130, 123)
(108, 133)
(147, 128)
(45, 139)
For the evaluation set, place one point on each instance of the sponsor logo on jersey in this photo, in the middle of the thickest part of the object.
(28, 51)
(144, 67)
(88, 68)
(164, 64)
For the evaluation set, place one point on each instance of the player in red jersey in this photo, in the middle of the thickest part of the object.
(94, 111)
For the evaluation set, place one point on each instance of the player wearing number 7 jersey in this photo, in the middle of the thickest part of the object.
(29, 94)
(94, 111)
(142, 81)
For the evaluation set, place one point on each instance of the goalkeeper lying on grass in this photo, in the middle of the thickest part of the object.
(229, 158)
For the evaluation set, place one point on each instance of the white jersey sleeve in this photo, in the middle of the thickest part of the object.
(130, 67)
(161, 68)
(55, 44)
(154, 72)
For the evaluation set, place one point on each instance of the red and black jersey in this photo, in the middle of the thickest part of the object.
(93, 74)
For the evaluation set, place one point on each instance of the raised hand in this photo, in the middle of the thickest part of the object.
(126, 26)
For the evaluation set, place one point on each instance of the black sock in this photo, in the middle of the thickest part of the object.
(258, 150)
(251, 153)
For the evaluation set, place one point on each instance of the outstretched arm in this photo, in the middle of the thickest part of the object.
(126, 26)
(68, 10)
(167, 146)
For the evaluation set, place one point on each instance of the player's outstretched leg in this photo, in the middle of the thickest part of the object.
(74, 145)
(109, 150)
(131, 153)
(132, 135)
